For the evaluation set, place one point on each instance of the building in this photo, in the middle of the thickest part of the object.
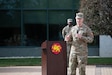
(25, 24)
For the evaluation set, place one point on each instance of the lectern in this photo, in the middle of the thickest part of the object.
(54, 58)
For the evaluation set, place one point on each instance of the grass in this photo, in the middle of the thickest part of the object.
(100, 61)
(37, 61)
(21, 62)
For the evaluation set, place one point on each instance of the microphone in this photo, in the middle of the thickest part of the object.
(77, 31)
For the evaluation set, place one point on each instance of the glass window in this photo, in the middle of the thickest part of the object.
(34, 3)
(57, 20)
(35, 33)
(10, 22)
(10, 4)
(95, 42)
(35, 17)
(35, 27)
(55, 32)
(66, 4)
(60, 17)
(60, 4)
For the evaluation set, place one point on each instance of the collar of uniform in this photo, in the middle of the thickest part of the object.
(80, 26)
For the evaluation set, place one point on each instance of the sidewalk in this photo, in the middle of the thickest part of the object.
(36, 70)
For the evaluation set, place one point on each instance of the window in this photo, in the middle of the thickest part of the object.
(35, 27)
(38, 4)
(57, 20)
(10, 4)
(10, 28)
(31, 22)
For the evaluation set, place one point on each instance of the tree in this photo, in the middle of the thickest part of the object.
(98, 15)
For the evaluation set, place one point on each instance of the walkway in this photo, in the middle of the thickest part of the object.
(36, 70)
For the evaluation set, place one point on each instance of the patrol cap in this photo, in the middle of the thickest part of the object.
(69, 20)
(79, 15)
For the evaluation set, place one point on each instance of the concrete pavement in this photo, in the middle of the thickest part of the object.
(36, 70)
(20, 70)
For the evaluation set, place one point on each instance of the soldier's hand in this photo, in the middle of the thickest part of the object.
(78, 36)
(67, 38)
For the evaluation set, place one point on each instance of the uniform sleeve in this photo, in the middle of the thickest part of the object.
(63, 32)
(89, 37)
(70, 38)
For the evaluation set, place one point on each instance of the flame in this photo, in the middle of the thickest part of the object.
(56, 48)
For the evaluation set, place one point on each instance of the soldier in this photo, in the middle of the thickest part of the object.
(81, 35)
(65, 32)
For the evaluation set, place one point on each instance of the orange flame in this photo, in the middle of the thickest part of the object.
(56, 48)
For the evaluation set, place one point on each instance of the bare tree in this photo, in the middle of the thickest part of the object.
(98, 15)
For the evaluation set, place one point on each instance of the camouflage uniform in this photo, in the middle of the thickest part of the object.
(79, 50)
(65, 32)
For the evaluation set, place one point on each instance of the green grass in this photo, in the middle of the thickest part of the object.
(37, 61)
(21, 62)
(100, 61)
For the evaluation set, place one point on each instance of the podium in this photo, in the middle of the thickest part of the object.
(54, 58)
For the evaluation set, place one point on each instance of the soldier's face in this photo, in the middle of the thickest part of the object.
(79, 21)
(69, 23)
